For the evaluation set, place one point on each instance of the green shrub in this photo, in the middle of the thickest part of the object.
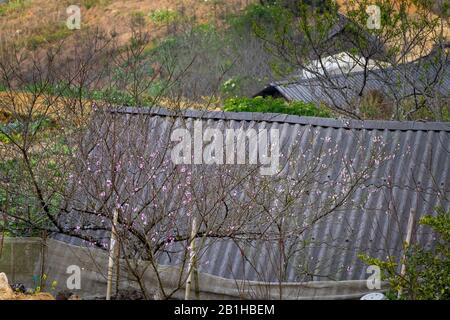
(88, 4)
(16, 129)
(231, 86)
(271, 105)
(47, 34)
(374, 105)
(163, 16)
(268, 17)
(26, 204)
(13, 6)
(138, 19)
(427, 275)
(113, 96)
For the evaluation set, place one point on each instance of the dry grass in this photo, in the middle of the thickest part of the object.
(111, 15)
(29, 24)
(21, 296)
(17, 104)
(423, 47)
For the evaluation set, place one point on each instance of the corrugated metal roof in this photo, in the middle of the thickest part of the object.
(323, 157)
(424, 77)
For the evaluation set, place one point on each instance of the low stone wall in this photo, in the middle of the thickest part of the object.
(24, 260)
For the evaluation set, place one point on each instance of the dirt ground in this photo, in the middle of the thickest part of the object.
(110, 15)
(21, 296)
(6, 293)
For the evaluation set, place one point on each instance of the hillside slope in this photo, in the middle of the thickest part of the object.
(40, 21)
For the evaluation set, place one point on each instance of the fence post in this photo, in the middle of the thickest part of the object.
(112, 256)
(192, 262)
(409, 231)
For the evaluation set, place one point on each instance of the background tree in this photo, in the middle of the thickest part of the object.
(308, 42)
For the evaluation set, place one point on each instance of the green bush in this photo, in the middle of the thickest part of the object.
(427, 275)
(137, 19)
(47, 34)
(271, 105)
(162, 16)
(15, 130)
(269, 17)
(22, 203)
(93, 3)
(13, 6)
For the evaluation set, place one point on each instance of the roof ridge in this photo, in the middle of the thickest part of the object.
(290, 119)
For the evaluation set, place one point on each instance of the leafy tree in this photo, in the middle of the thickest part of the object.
(305, 40)
(427, 272)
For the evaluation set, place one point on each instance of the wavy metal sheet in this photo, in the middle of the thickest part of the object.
(426, 77)
(374, 222)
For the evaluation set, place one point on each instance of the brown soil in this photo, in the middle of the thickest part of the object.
(112, 15)
(21, 296)
(6, 293)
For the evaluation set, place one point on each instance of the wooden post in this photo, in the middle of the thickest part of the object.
(191, 264)
(197, 286)
(117, 255)
(5, 210)
(2, 237)
(43, 253)
(409, 231)
(112, 255)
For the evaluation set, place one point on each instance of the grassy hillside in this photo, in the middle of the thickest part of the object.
(194, 50)
(36, 22)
